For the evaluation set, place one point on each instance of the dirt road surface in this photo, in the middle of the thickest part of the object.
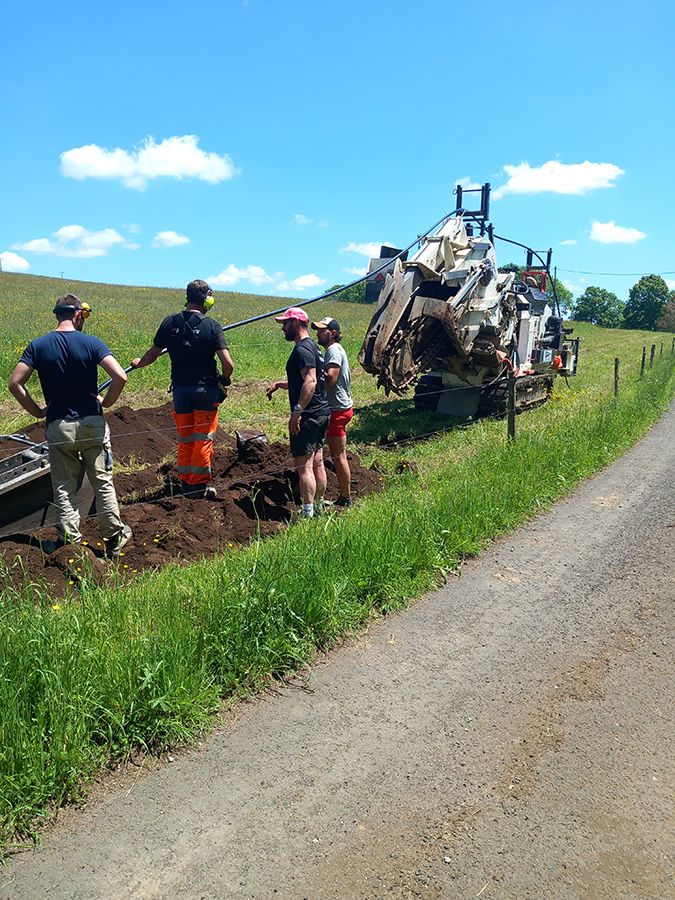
(507, 736)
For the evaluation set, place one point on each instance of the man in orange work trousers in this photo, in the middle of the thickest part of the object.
(193, 341)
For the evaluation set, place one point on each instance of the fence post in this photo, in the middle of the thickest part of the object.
(672, 347)
(616, 376)
(661, 350)
(644, 359)
(651, 355)
(511, 405)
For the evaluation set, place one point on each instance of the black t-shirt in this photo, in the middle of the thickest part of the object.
(67, 366)
(191, 340)
(306, 355)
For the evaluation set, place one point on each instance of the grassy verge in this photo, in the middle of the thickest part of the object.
(84, 680)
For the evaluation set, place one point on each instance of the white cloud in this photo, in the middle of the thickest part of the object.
(575, 287)
(256, 275)
(558, 178)
(568, 243)
(175, 157)
(169, 239)
(669, 282)
(356, 271)
(467, 184)
(233, 274)
(299, 219)
(12, 262)
(302, 282)
(77, 242)
(611, 233)
(369, 249)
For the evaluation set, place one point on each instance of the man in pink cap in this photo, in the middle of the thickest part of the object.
(309, 408)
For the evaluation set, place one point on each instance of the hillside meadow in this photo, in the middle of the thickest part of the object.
(85, 681)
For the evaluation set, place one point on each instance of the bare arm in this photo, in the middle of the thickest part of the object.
(17, 388)
(148, 357)
(226, 363)
(306, 394)
(275, 386)
(308, 387)
(331, 374)
(119, 378)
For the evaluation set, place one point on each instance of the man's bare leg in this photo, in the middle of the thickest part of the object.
(319, 477)
(307, 481)
(338, 453)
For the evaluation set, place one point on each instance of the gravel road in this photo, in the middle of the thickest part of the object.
(509, 735)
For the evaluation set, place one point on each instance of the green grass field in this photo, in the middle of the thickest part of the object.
(85, 680)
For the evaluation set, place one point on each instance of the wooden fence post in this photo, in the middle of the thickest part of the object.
(616, 377)
(644, 359)
(511, 405)
(661, 350)
(672, 347)
(651, 355)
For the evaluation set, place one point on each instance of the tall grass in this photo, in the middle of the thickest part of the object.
(86, 679)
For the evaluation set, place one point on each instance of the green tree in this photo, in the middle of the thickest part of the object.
(354, 294)
(645, 304)
(667, 320)
(564, 295)
(600, 307)
(512, 267)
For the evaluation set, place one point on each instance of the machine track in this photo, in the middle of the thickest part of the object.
(531, 391)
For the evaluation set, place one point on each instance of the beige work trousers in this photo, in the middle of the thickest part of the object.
(74, 446)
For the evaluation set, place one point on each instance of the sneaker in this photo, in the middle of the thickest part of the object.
(343, 501)
(210, 493)
(119, 541)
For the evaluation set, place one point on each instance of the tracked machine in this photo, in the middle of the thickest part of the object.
(451, 324)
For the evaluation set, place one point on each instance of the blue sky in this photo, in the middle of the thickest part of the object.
(264, 144)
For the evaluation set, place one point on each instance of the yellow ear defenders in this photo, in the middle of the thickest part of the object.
(85, 309)
(207, 303)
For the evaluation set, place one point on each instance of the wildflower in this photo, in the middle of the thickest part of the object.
(71, 560)
(57, 606)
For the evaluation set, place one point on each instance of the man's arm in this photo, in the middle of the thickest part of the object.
(17, 388)
(306, 394)
(226, 363)
(275, 386)
(119, 378)
(148, 357)
(331, 374)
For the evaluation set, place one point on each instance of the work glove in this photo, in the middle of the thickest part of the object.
(223, 383)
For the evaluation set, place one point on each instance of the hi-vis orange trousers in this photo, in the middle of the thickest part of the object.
(196, 415)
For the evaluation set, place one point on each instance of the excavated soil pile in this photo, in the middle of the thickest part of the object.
(257, 491)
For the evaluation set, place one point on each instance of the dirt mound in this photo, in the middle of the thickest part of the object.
(254, 479)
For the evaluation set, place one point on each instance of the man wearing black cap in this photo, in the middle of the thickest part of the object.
(338, 392)
(309, 409)
(78, 437)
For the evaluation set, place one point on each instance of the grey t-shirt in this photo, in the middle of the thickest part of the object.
(339, 396)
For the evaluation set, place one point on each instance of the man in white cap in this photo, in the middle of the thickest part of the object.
(309, 408)
(338, 392)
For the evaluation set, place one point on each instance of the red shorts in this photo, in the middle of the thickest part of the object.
(339, 419)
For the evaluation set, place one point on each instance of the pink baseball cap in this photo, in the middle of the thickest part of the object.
(293, 312)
